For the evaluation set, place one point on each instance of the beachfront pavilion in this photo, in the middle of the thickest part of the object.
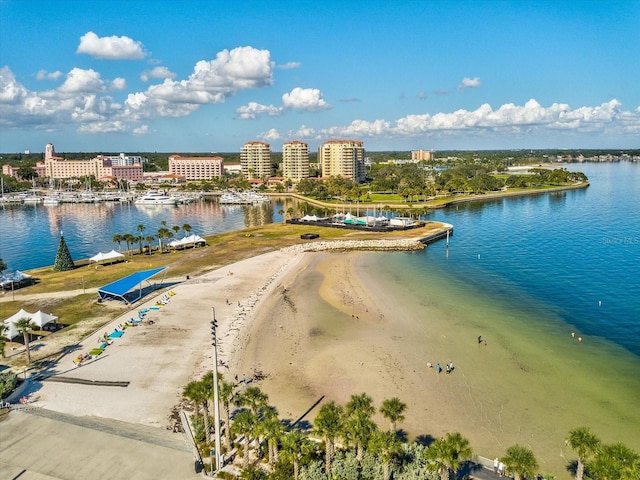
(128, 289)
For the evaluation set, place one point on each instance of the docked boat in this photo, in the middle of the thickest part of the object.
(156, 198)
(52, 200)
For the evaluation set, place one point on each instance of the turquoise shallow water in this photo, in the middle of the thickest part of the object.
(573, 255)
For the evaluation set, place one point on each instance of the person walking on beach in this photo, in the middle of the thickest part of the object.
(438, 368)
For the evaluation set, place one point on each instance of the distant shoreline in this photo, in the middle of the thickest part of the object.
(453, 201)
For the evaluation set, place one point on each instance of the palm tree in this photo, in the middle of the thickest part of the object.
(447, 454)
(117, 238)
(130, 240)
(202, 392)
(385, 446)
(191, 391)
(140, 228)
(281, 212)
(615, 462)
(3, 339)
(255, 399)
(360, 403)
(149, 239)
(520, 461)
(392, 409)
(273, 429)
(226, 393)
(243, 424)
(187, 228)
(585, 444)
(360, 427)
(176, 229)
(25, 326)
(296, 446)
(163, 233)
(328, 424)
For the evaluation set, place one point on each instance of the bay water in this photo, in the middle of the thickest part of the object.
(570, 256)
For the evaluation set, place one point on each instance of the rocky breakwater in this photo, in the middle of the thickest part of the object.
(398, 245)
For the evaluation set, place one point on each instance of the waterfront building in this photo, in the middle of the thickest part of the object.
(419, 155)
(123, 160)
(343, 158)
(55, 167)
(196, 168)
(295, 160)
(255, 160)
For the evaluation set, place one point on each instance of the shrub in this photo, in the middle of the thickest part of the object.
(8, 383)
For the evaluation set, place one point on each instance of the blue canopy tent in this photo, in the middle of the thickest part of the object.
(120, 288)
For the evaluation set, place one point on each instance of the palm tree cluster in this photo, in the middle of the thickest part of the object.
(598, 461)
(164, 234)
(345, 442)
(343, 438)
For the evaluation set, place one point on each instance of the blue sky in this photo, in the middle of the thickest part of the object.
(208, 76)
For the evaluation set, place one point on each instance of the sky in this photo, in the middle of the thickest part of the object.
(208, 76)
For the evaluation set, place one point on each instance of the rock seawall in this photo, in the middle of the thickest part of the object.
(403, 245)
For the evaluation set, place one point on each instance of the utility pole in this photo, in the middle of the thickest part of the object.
(216, 402)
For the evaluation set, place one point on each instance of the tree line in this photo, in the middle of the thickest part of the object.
(164, 234)
(344, 442)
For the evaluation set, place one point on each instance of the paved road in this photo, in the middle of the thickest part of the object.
(39, 444)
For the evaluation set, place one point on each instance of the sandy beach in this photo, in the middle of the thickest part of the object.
(318, 326)
(159, 359)
(330, 330)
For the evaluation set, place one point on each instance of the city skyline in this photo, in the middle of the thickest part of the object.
(201, 76)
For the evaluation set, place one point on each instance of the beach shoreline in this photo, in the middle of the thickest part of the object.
(320, 326)
(360, 334)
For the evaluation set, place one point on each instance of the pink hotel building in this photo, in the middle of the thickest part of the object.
(100, 167)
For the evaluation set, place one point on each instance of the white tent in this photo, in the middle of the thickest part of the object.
(41, 319)
(11, 331)
(190, 240)
(6, 281)
(10, 323)
(112, 256)
(309, 218)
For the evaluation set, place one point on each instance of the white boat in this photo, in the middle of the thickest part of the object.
(156, 198)
(32, 198)
(229, 198)
(51, 200)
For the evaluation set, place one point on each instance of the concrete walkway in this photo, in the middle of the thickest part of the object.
(39, 444)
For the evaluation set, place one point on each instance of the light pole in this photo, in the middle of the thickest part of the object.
(216, 403)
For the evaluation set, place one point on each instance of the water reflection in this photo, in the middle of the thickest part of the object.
(30, 233)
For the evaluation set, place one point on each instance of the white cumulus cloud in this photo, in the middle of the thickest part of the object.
(141, 130)
(530, 118)
(157, 72)
(309, 99)
(270, 135)
(212, 81)
(289, 65)
(81, 80)
(44, 75)
(111, 48)
(253, 110)
(469, 83)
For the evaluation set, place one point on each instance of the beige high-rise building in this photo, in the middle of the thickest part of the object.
(418, 155)
(295, 160)
(343, 158)
(255, 160)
